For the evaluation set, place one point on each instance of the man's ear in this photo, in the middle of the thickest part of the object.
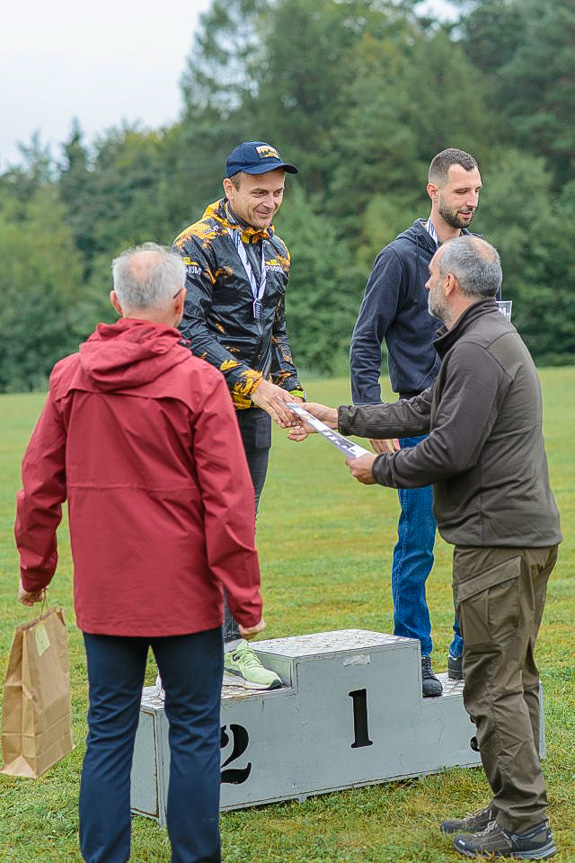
(179, 303)
(450, 284)
(432, 191)
(228, 186)
(116, 303)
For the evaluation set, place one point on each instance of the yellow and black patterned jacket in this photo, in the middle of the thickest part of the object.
(218, 314)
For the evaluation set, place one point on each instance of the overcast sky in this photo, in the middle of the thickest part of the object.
(102, 62)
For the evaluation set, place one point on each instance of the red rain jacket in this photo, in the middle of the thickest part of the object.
(140, 436)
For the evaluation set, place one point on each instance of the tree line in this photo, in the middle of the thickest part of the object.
(360, 94)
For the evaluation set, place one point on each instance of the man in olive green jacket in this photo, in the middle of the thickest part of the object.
(485, 457)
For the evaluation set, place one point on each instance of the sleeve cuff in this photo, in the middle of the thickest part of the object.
(299, 393)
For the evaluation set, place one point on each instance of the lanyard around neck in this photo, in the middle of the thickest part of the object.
(258, 290)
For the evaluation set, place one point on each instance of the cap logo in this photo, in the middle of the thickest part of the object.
(267, 152)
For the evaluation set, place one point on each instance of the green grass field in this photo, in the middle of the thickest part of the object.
(325, 546)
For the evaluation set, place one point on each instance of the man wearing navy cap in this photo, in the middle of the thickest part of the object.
(234, 317)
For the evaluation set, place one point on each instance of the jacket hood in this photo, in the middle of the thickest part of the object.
(130, 353)
(222, 212)
(418, 235)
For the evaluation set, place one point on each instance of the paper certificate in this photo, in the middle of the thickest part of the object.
(352, 450)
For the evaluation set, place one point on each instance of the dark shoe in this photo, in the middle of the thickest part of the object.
(472, 823)
(455, 667)
(431, 686)
(534, 844)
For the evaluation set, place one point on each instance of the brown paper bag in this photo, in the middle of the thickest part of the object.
(37, 721)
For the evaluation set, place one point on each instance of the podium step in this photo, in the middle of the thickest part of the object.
(350, 713)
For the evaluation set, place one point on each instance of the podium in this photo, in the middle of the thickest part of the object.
(350, 713)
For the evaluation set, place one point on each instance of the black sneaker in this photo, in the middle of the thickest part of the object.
(431, 686)
(534, 844)
(454, 667)
(472, 823)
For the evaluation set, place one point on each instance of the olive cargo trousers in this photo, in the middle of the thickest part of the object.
(499, 596)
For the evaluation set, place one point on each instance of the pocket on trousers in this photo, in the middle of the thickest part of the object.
(263, 437)
(255, 428)
(263, 431)
(489, 603)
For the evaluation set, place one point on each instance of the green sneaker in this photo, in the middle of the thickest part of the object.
(243, 668)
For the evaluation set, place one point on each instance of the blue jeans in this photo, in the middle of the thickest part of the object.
(256, 431)
(412, 563)
(191, 667)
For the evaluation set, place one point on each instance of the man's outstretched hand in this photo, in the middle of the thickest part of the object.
(361, 468)
(272, 399)
(327, 415)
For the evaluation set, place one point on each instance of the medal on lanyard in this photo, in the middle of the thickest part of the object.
(258, 291)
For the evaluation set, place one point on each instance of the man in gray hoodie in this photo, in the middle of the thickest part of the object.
(485, 458)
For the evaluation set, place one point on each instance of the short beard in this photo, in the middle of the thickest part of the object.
(436, 309)
(451, 217)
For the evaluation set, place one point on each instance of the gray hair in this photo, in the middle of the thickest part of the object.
(474, 263)
(147, 276)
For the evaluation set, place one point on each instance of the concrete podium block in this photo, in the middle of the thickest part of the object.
(350, 713)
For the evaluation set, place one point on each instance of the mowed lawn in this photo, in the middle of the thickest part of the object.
(325, 546)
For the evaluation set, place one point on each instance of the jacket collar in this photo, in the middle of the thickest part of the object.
(222, 212)
(422, 235)
(445, 338)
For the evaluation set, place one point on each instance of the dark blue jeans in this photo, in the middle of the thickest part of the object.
(191, 667)
(412, 563)
(256, 431)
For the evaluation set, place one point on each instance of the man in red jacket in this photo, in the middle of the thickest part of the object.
(140, 437)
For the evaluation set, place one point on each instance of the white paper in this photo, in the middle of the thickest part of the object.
(352, 450)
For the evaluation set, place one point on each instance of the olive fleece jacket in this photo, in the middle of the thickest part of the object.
(485, 452)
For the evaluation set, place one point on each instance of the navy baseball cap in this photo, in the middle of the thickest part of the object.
(256, 157)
